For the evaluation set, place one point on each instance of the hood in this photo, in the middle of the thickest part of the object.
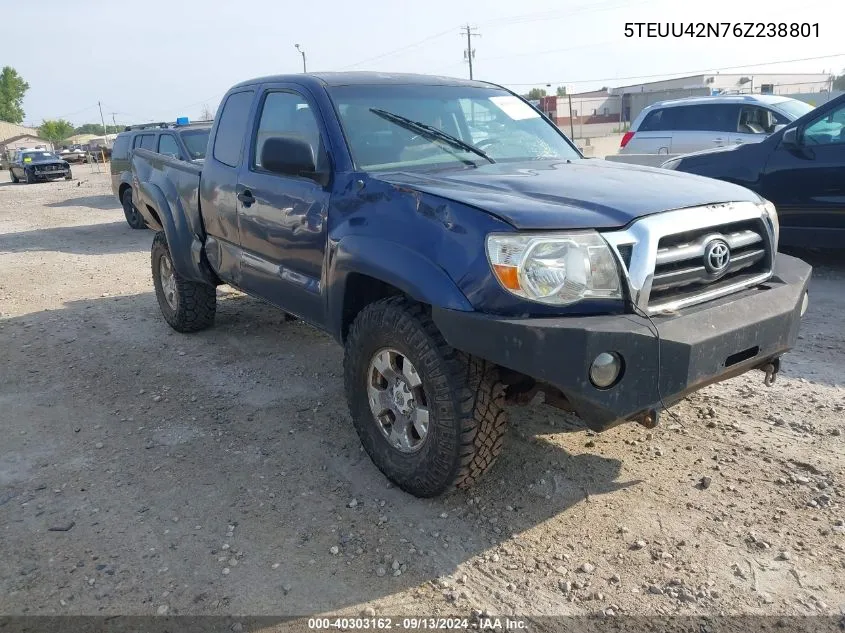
(45, 161)
(561, 194)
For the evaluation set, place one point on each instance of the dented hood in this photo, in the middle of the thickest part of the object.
(560, 194)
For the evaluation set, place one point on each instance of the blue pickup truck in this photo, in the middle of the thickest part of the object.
(467, 257)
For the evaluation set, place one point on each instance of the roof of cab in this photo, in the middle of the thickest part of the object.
(365, 78)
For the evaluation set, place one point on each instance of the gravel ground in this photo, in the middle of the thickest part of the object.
(144, 472)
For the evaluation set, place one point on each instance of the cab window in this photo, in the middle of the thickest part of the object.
(167, 145)
(828, 129)
(286, 114)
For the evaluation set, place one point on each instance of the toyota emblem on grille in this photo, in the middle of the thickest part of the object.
(717, 257)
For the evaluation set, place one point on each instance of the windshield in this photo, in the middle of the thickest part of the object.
(196, 142)
(500, 125)
(794, 108)
(29, 157)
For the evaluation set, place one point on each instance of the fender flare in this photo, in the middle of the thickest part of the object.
(185, 248)
(392, 263)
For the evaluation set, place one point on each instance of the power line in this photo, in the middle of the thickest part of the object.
(546, 52)
(399, 50)
(557, 15)
(680, 72)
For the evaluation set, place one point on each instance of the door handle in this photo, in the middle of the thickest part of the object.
(718, 140)
(246, 197)
(738, 141)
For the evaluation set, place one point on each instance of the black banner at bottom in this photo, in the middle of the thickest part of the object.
(545, 624)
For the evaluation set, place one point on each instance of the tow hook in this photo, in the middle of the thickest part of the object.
(771, 370)
(648, 419)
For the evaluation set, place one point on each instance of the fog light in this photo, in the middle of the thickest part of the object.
(606, 369)
(805, 303)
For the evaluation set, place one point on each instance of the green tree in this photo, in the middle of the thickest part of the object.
(839, 82)
(12, 91)
(561, 91)
(535, 93)
(97, 128)
(55, 131)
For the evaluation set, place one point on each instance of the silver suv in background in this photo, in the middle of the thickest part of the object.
(692, 124)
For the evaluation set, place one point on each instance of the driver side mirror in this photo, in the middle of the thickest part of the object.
(290, 157)
(790, 137)
(778, 128)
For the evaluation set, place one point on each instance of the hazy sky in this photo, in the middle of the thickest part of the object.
(157, 59)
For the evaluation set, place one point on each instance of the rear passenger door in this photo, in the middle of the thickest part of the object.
(283, 218)
(704, 126)
(218, 183)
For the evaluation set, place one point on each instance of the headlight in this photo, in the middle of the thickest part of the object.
(555, 268)
(771, 214)
(671, 164)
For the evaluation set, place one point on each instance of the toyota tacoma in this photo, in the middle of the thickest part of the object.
(467, 256)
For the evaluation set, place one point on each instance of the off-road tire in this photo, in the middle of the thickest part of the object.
(133, 216)
(464, 397)
(69, 175)
(15, 179)
(196, 303)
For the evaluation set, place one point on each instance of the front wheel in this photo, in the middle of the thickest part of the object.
(431, 418)
(69, 175)
(15, 179)
(187, 306)
(133, 217)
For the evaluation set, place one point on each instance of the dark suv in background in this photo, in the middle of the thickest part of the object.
(182, 141)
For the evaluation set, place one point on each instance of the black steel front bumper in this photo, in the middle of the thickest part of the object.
(698, 346)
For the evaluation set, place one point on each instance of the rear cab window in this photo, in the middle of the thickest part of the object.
(145, 141)
(232, 128)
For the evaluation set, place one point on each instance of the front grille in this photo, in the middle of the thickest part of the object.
(704, 260)
(50, 167)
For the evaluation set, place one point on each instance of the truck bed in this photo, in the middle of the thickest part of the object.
(166, 193)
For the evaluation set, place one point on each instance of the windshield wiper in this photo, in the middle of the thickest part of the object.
(430, 132)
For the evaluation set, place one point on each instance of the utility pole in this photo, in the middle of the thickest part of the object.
(469, 53)
(103, 120)
(571, 124)
(301, 52)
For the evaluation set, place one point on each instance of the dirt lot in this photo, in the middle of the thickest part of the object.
(145, 472)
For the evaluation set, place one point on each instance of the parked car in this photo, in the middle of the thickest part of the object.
(800, 168)
(33, 165)
(460, 276)
(73, 154)
(185, 142)
(697, 123)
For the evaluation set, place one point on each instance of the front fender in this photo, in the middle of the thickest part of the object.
(185, 247)
(394, 264)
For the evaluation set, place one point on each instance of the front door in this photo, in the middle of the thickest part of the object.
(807, 183)
(283, 218)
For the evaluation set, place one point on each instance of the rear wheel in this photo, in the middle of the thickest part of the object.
(187, 306)
(431, 418)
(133, 217)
